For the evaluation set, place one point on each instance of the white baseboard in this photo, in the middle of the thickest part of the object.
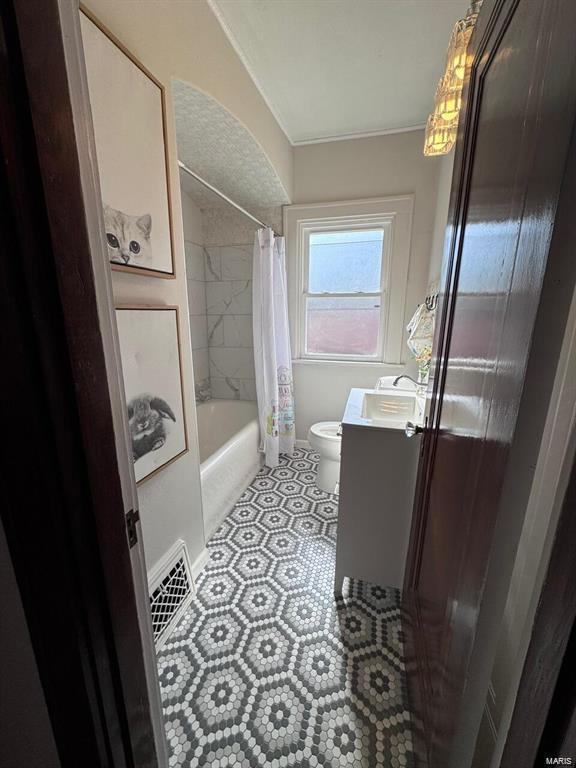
(198, 565)
(301, 443)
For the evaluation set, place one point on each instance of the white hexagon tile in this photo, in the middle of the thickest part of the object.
(267, 668)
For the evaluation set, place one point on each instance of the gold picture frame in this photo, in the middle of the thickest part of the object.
(109, 179)
(142, 372)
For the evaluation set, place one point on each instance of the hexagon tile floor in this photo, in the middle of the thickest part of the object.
(267, 668)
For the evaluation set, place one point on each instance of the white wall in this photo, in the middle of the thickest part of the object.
(446, 167)
(352, 170)
(170, 501)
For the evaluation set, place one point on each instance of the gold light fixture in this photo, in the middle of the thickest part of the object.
(440, 137)
(457, 58)
(442, 124)
(458, 54)
(448, 99)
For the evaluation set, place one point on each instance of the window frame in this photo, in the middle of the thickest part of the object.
(394, 216)
(381, 294)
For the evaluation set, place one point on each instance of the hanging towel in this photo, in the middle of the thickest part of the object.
(420, 338)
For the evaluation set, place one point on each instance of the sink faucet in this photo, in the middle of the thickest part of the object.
(405, 376)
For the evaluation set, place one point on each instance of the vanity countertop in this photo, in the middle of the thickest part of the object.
(354, 409)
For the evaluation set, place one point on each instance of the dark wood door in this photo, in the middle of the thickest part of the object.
(63, 489)
(512, 145)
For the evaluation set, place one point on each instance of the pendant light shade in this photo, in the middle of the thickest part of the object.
(442, 125)
(440, 137)
(457, 57)
(449, 99)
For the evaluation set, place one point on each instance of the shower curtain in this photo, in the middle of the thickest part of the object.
(272, 358)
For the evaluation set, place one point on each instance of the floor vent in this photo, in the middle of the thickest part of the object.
(171, 589)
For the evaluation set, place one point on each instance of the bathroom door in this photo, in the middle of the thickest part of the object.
(511, 151)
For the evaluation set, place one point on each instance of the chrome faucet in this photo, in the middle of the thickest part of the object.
(405, 376)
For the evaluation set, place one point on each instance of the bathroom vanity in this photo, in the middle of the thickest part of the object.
(377, 482)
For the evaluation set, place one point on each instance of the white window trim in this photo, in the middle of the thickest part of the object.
(394, 215)
(348, 223)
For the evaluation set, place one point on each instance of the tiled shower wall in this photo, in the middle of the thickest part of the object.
(220, 301)
(220, 305)
(195, 272)
(228, 275)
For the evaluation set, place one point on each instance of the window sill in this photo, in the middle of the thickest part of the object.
(348, 363)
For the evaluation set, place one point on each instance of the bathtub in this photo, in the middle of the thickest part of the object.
(228, 437)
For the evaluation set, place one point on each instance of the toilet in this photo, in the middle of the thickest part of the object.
(324, 438)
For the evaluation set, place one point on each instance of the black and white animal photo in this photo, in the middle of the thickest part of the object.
(128, 237)
(150, 352)
(129, 118)
(147, 415)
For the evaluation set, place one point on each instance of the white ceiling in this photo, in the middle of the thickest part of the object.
(342, 68)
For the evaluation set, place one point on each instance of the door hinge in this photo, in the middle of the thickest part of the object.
(132, 518)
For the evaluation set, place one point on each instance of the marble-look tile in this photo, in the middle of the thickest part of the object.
(212, 266)
(225, 389)
(198, 331)
(215, 330)
(194, 261)
(197, 297)
(241, 303)
(229, 297)
(236, 262)
(231, 363)
(202, 390)
(247, 389)
(233, 389)
(218, 297)
(238, 331)
(201, 363)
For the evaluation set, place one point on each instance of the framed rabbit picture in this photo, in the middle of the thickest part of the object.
(129, 117)
(152, 371)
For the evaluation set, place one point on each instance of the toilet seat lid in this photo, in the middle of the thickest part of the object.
(328, 430)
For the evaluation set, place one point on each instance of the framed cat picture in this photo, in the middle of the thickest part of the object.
(151, 366)
(129, 116)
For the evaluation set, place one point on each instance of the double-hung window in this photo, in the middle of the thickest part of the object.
(347, 273)
(344, 293)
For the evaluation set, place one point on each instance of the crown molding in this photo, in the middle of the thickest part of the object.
(359, 135)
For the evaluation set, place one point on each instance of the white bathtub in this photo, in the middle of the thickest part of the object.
(228, 436)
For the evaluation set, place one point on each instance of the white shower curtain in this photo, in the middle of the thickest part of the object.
(272, 358)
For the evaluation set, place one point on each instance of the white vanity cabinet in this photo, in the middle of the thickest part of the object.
(378, 468)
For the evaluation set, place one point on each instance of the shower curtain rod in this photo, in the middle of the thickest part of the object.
(209, 186)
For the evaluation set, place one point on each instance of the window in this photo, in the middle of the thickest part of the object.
(343, 295)
(347, 269)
